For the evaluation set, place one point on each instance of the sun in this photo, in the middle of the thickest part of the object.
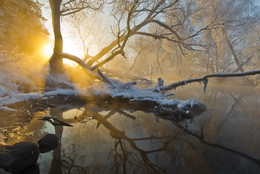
(74, 49)
(47, 50)
(68, 47)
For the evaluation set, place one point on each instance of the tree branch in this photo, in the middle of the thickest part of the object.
(205, 79)
(155, 36)
(106, 60)
(71, 10)
(80, 62)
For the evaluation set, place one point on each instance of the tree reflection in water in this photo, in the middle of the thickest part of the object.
(56, 163)
(64, 160)
(189, 145)
(120, 153)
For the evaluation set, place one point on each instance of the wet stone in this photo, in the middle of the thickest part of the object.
(18, 157)
(48, 142)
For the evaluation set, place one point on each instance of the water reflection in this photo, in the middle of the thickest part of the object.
(56, 163)
(120, 153)
(225, 139)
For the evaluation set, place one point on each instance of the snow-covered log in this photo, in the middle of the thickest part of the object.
(128, 99)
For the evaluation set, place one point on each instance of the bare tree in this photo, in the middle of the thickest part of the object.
(63, 8)
(135, 17)
(230, 39)
(140, 15)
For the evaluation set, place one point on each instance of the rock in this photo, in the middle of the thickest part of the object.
(32, 170)
(48, 143)
(18, 157)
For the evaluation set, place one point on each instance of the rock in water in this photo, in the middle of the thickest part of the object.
(18, 157)
(48, 143)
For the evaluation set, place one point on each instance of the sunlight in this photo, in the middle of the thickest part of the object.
(73, 49)
(47, 50)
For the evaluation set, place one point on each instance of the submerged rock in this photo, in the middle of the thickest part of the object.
(18, 157)
(48, 142)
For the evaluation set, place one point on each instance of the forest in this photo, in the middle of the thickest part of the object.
(129, 86)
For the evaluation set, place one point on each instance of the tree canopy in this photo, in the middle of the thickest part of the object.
(21, 30)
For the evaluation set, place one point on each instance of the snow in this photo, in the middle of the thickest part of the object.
(189, 102)
(3, 91)
(11, 83)
(7, 109)
(13, 86)
(136, 93)
(11, 95)
(169, 102)
(62, 92)
(149, 95)
(14, 98)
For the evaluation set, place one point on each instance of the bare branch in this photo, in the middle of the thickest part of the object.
(156, 36)
(80, 62)
(75, 59)
(106, 79)
(76, 8)
(208, 27)
(180, 39)
(205, 78)
(106, 60)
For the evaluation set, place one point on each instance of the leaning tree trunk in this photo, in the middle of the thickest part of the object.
(56, 63)
(240, 67)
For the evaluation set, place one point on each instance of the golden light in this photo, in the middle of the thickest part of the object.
(47, 50)
(68, 47)
(71, 48)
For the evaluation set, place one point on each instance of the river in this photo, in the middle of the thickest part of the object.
(223, 139)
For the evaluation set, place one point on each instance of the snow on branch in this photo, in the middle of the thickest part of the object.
(106, 79)
(205, 79)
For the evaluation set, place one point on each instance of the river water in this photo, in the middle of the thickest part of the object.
(224, 139)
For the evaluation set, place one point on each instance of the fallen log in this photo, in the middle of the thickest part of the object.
(128, 99)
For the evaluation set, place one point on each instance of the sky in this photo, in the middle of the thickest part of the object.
(72, 43)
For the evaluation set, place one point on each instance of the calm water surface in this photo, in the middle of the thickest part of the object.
(224, 139)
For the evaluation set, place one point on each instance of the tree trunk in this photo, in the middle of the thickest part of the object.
(56, 63)
(240, 67)
(216, 52)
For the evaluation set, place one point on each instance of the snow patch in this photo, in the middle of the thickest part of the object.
(190, 102)
(7, 109)
(169, 102)
(14, 98)
(136, 93)
(62, 92)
